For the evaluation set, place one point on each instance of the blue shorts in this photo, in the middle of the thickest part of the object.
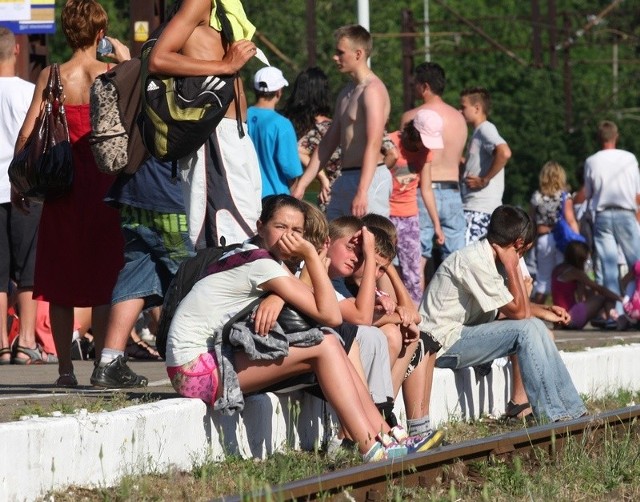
(449, 206)
(155, 245)
(345, 187)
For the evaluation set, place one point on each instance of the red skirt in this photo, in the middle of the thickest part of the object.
(80, 246)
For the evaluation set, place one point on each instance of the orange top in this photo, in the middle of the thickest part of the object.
(406, 177)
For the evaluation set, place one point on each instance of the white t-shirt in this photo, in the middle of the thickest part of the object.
(612, 179)
(15, 97)
(482, 144)
(212, 302)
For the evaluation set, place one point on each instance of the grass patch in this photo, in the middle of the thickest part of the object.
(93, 404)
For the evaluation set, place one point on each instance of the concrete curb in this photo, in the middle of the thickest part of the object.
(98, 449)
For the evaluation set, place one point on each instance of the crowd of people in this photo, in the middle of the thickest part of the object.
(353, 266)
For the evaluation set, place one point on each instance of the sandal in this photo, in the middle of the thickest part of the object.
(141, 350)
(5, 351)
(66, 380)
(33, 355)
(512, 410)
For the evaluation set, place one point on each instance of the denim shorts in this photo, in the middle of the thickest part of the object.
(155, 245)
(451, 214)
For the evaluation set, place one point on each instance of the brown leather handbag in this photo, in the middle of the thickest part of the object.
(43, 169)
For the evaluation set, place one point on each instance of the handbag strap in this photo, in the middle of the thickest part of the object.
(54, 90)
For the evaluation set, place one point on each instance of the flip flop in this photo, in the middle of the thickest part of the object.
(4, 351)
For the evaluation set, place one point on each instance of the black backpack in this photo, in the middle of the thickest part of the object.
(178, 114)
(206, 261)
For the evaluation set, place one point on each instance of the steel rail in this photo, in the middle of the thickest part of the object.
(369, 482)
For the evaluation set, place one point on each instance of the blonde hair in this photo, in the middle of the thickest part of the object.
(357, 35)
(344, 226)
(7, 43)
(553, 178)
(316, 226)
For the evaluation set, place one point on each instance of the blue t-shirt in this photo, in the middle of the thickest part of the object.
(150, 187)
(275, 142)
(346, 289)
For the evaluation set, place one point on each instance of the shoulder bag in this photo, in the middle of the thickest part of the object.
(563, 234)
(43, 169)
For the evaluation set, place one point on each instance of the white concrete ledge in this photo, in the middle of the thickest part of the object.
(98, 449)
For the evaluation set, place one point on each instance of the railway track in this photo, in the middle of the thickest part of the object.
(368, 483)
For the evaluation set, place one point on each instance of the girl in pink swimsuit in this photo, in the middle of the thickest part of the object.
(574, 290)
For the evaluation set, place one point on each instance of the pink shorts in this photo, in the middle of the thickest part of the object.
(578, 315)
(198, 378)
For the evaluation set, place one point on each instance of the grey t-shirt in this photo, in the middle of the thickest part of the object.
(483, 142)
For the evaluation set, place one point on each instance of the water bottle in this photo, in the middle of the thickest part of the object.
(105, 47)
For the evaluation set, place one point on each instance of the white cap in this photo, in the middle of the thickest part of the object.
(429, 124)
(269, 79)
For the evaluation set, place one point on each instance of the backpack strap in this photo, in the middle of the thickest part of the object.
(236, 260)
(227, 32)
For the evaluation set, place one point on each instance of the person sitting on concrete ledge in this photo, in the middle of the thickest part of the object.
(472, 288)
(200, 365)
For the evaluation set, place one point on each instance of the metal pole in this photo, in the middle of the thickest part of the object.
(363, 18)
(615, 71)
(427, 34)
(363, 14)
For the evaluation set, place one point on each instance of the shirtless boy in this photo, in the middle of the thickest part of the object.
(222, 185)
(445, 164)
(361, 112)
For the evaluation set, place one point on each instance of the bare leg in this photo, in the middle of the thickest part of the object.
(27, 307)
(519, 396)
(339, 382)
(594, 305)
(82, 318)
(399, 368)
(62, 328)
(99, 323)
(122, 319)
(354, 357)
(154, 319)
(416, 389)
